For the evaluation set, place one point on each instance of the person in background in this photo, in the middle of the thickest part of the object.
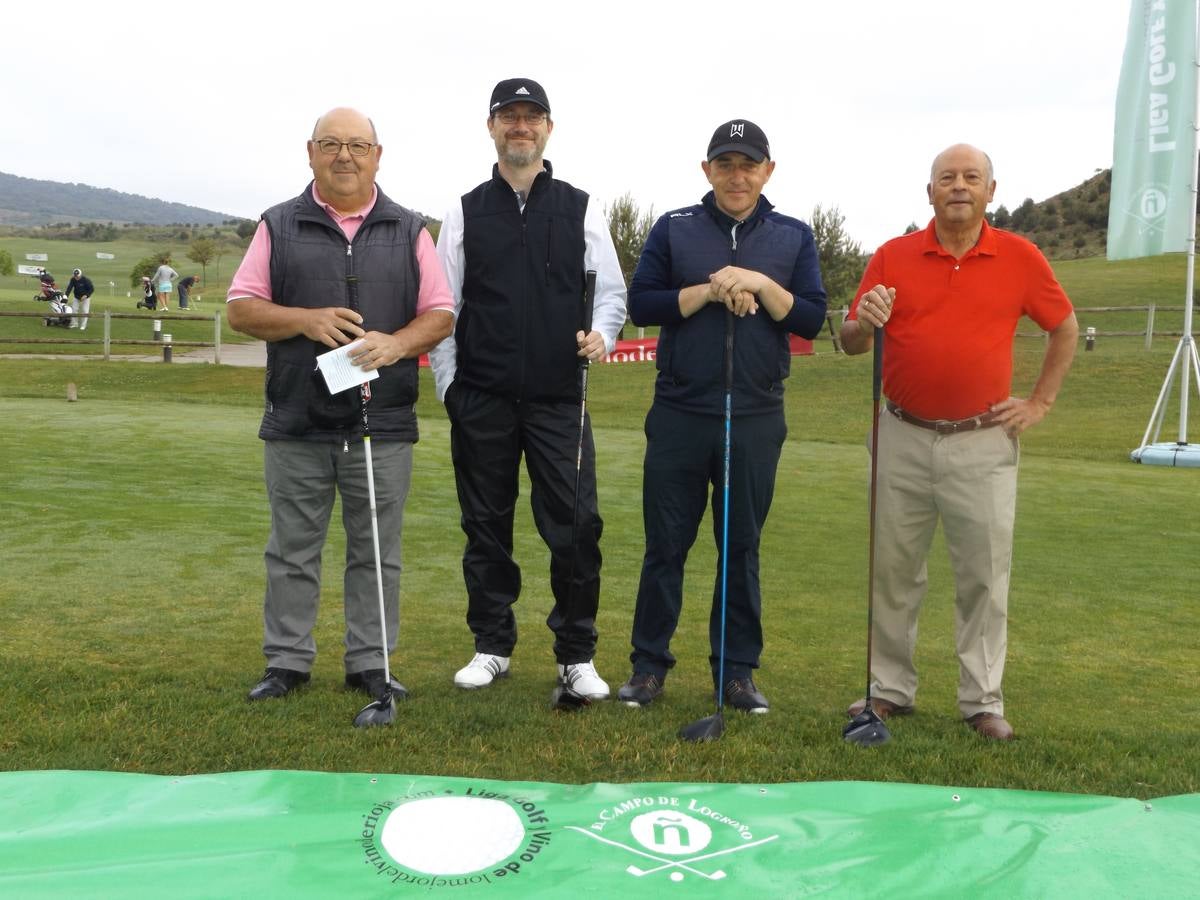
(163, 277)
(81, 286)
(185, 288)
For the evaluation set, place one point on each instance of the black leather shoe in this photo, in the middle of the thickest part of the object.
(641, 689)
(371, 682)
(277, 683)
(740, 693)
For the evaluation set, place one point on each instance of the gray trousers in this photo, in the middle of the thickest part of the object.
(302, 479)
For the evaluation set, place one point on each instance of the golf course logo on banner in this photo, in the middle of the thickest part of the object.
(672, 838)
(449, 838)
(1154, 161)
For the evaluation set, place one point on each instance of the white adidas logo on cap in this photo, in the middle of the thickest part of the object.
(522, 90)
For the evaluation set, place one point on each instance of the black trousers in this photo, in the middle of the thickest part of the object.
(685, 457)
(488, 437)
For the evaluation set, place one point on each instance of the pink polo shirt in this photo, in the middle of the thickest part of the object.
(253, 276)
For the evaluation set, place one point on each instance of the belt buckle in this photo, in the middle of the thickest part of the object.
(945, 426)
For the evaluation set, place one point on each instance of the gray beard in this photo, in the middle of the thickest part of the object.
(519, 159)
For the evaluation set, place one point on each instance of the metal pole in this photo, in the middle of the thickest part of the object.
(216, 338)
(1191, 262)
(1150, 325)
(107, 334)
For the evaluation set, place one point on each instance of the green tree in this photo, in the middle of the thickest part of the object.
(6, 263)
(246, 228)
(147, 266)
(842, 260)
(202, 251)
(1001, 217)
(629, 227)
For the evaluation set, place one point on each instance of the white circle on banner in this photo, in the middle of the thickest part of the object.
(670, 832)
(452, 835)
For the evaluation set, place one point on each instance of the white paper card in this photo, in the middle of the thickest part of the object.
(340, 373)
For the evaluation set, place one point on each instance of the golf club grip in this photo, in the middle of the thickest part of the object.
(589, 299)
(877, 383)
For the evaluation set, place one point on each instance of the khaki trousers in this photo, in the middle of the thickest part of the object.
(969, 481)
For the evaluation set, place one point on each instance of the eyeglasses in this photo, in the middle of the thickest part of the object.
(508, 117)
(331, 147)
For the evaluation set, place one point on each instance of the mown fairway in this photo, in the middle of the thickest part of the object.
(131, 577)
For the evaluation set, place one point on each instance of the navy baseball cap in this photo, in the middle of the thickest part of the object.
(518, 90)
(739, 136)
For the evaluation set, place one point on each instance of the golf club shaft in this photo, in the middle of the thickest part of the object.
(725, 504)
(589, 297)
(365, 393)
(876, 395)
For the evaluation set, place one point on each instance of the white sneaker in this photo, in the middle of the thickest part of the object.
(482, 670)
(583, 679)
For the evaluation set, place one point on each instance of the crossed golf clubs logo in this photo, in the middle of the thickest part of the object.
(653, 829)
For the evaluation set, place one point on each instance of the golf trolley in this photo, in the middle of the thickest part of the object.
(59, 306)
(149, 298)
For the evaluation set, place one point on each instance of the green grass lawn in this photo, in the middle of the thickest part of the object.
(113, 293)
(131, 576)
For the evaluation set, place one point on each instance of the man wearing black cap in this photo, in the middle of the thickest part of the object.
(729, 262)
(515, 251)
(81, 286)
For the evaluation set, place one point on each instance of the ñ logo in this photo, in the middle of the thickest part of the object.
(737, 129)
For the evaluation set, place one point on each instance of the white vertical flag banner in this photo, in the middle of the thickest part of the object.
(1154, 144)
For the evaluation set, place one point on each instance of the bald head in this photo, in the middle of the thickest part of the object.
(982, 160)
(346, 115)
(960, 188)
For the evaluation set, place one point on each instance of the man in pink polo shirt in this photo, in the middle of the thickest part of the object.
(340, 262)
(948, 299)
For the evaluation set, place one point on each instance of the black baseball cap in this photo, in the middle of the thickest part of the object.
(518, 90)
(739, 136)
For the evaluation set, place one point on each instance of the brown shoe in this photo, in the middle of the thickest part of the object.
(991, 726)
(883, 708)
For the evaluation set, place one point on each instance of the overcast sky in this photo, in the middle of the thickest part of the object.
(209, 102)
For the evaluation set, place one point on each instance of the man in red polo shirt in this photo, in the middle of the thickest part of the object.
(949, 298)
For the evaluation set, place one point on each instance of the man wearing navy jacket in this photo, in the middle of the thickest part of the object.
(729, 255)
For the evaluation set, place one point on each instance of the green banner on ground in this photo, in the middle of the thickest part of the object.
(311, 834)
(1154, 144)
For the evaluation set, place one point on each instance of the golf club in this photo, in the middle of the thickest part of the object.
(867, 729)
(381, 710)
(563, 696)
(712, 727)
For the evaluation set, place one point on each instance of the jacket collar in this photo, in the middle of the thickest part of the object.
(709, 202)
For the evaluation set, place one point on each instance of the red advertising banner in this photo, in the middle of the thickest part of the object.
(644, 350)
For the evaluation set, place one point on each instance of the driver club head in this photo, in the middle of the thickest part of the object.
(707, 729)
(380, 711)
(563, 699)
(866, 729)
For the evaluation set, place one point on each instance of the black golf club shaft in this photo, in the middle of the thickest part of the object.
(589, 299)
(876, 395)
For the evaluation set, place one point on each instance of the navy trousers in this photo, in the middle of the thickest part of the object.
(685, 456)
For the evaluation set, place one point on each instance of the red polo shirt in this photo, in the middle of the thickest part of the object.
(948, 345)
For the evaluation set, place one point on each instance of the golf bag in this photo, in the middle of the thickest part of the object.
(149, 299)
(58, 306)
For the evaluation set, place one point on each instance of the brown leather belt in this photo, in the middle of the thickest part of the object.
(944, 426)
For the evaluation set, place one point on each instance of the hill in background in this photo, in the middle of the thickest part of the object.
(30, 202)
(1069, 225)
